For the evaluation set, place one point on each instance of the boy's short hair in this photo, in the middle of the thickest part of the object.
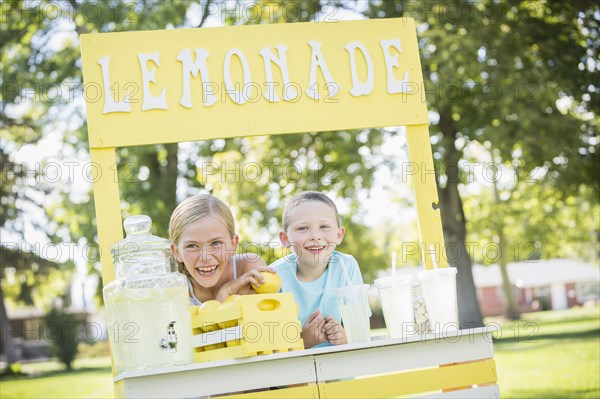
(306, 196)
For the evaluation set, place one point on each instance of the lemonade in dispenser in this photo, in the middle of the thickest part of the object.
(147, 305)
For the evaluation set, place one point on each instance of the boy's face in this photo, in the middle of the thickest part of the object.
(313, 233)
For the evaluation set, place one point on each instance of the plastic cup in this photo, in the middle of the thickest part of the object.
(354, 308)
(439, 292)
(397, 305)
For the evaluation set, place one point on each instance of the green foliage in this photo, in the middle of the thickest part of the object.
(95, 349)
(61, 332)
(538, 222)
(493, 73)
(13, 370)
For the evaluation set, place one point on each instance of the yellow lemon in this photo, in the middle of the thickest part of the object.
(208, 309)
(214, 346)
(231, 298)
(271, 285)
(209, 306)
(227, 306)
(227, 324)
(233, 342)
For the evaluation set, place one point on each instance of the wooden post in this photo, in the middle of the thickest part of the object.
(430, 221)
(108, 206)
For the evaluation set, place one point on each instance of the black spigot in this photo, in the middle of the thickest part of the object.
(170, 342)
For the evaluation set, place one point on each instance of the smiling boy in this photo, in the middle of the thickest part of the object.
(312, 229)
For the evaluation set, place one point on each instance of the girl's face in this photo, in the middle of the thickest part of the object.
(313, 233)
(205, 248)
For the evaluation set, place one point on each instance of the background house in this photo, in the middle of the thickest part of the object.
(538, 285)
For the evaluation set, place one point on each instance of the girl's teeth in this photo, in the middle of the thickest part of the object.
(206, 271)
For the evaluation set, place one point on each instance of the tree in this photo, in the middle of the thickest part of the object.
(148, 175)
(478, 61)
(64, 342)
(41, 81)
(519, 216)
(35, 270)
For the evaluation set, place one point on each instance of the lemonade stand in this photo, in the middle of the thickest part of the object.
(200, 84)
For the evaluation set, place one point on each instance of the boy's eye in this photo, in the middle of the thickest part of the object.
(325, 226)
(302, 228)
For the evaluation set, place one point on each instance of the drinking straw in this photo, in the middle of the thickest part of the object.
(393, 269)
(346, 276)
(433, 258)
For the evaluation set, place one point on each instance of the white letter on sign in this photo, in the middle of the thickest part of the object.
(150, 101)
(192, 68)
(391, 61)
(110, 105)
(239, 97)
(281, 62)
(358, 88)
(317, 60)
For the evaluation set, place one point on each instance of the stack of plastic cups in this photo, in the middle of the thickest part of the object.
(439, 292)
(422, 325)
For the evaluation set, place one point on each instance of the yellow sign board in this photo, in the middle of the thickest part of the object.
(170, 86)
(165, 86)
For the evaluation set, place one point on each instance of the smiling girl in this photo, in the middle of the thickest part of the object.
(204, 243)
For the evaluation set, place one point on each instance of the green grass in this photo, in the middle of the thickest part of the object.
(90, 378)
(550, 355)
(545, 355)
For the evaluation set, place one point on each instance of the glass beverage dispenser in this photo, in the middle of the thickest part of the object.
(147, 305)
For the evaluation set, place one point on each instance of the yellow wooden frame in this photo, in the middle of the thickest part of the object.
(132, 81)
(407, 383)
(110, 130)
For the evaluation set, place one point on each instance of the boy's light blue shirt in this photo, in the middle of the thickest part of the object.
(318, 294)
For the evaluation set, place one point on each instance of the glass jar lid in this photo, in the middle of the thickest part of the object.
(139, 242)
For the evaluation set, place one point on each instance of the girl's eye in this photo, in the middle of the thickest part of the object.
(191, 246)
(216, 243)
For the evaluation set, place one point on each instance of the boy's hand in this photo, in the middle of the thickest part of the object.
(334, 331)
(312, 332)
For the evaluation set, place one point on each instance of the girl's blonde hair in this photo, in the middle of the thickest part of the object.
(193, 209)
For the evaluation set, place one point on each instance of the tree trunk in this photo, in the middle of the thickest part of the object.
(512, 312)
(455, 230)
(163, 183)
(509, 297)
(8, 341)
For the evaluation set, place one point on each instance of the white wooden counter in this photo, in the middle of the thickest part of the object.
(457, 364)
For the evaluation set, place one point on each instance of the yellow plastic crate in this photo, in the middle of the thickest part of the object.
(246, 325)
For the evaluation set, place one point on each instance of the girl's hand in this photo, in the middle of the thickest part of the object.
(334, 331)
(312, 332)
(243, 284)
